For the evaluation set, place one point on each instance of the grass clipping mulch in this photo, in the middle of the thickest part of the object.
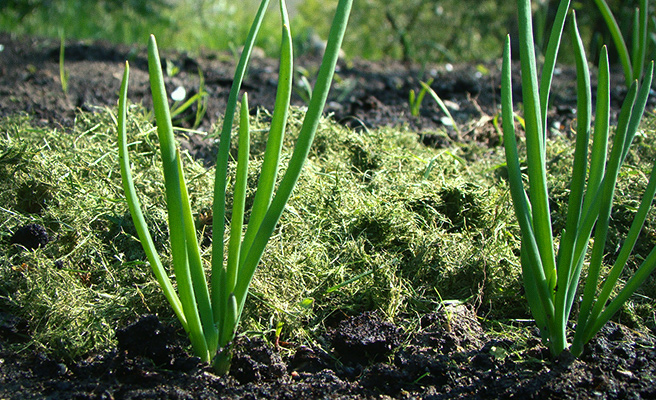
(377, 222)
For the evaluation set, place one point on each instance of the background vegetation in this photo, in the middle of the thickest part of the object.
(417, 30)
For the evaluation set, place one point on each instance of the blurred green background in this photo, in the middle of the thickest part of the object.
(409, 30)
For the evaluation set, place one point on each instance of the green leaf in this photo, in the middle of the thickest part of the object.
(535, 150)
(639, 49)
(577, 184)
(301, 151)
(616, 34)
(590, 320)
(237, 222)
(221, 171)
(550, 57)
(135, 207)
(536, 284)
(426, 88)
(605, 205)
(196, 271)
(271, 162)
(172, 182)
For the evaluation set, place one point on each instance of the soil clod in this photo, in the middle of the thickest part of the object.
(30, 236)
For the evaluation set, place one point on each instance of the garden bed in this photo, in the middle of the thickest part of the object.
(397, 332)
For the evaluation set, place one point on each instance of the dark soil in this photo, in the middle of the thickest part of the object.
(362, 356)
(364, 95)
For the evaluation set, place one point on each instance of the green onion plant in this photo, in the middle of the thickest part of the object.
(551, 278)
(540, 22)
(210, 315)
(633, 64)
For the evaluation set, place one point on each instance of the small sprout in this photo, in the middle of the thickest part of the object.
(277, 333)
(415, 100)
(171, 69)
(442, 106)
(482, 70)
(303, 87)
(200, 99)
(63, 72)
(499, 353)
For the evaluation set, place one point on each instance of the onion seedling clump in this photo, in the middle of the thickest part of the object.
(551, 278)
(210, 314)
